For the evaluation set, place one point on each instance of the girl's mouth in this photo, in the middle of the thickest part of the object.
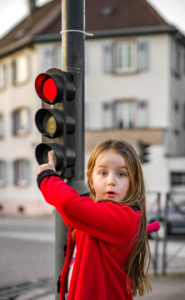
(111, 193)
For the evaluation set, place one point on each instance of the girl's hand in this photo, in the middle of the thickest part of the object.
(49, 166)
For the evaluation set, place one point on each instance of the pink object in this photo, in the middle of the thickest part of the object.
(152, 227)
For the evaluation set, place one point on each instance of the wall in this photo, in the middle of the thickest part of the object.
(151, 85)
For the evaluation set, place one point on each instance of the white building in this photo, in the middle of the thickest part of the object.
(134, 89)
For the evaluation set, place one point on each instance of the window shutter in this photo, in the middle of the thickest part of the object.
(172, 58)
(3, 79)
(26, 172)
(143, 56)
(2, 173)
(107, 58)
(14, 122)
(181, 67)
(15, 167)
(142, 114)
(13, 69)
(10, 172)
(107, 117)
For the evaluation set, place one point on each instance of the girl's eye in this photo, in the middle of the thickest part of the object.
(121, 174)
(103, 173)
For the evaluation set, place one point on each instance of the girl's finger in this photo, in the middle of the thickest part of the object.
(50, 158)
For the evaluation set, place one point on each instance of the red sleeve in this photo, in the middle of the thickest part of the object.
(104, 220)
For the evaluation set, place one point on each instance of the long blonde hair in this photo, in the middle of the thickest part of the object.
(139, 260)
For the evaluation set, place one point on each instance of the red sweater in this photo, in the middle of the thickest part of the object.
(105, 232)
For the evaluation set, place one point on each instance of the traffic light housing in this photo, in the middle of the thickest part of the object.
(56, 119)
(144, 152)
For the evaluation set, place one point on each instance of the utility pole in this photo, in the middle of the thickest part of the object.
(73, 41)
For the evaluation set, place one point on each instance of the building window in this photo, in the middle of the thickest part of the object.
(3, 71)
(177, 179)
(21, 121)
(125, 57)
(124, 112)
(2, 173)
(1, 126)
(22, 172)
(50, 56)
(20, 69)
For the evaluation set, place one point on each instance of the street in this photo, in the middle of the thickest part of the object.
(26, 249)
(27, 255)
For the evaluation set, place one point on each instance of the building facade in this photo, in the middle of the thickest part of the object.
(134, 89)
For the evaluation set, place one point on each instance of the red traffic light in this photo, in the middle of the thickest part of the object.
(57, 122)
(49, 89)
(54, 85)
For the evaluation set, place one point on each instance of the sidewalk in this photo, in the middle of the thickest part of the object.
(170, 287)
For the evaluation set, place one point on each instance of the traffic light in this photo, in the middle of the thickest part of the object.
(56, 119)
(144, 152)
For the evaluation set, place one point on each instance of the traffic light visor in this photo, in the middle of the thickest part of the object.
(47, 124)
(41, 153)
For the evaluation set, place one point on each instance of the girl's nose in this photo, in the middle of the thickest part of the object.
(111, 180)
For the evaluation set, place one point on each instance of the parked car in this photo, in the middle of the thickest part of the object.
(175, 220)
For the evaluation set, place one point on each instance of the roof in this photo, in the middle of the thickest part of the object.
(103, 18)
(116, 14)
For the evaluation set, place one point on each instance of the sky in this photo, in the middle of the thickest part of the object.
(13, 11)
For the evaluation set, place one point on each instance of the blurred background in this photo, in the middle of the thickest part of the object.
(134, 90)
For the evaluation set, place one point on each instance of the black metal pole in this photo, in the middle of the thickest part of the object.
(164, 255)
(73, 41)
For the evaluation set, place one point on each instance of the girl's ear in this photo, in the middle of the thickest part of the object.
(91, 183)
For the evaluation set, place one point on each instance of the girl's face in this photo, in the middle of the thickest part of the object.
(110, 178)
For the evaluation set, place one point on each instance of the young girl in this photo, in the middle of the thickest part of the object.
(107, 246)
